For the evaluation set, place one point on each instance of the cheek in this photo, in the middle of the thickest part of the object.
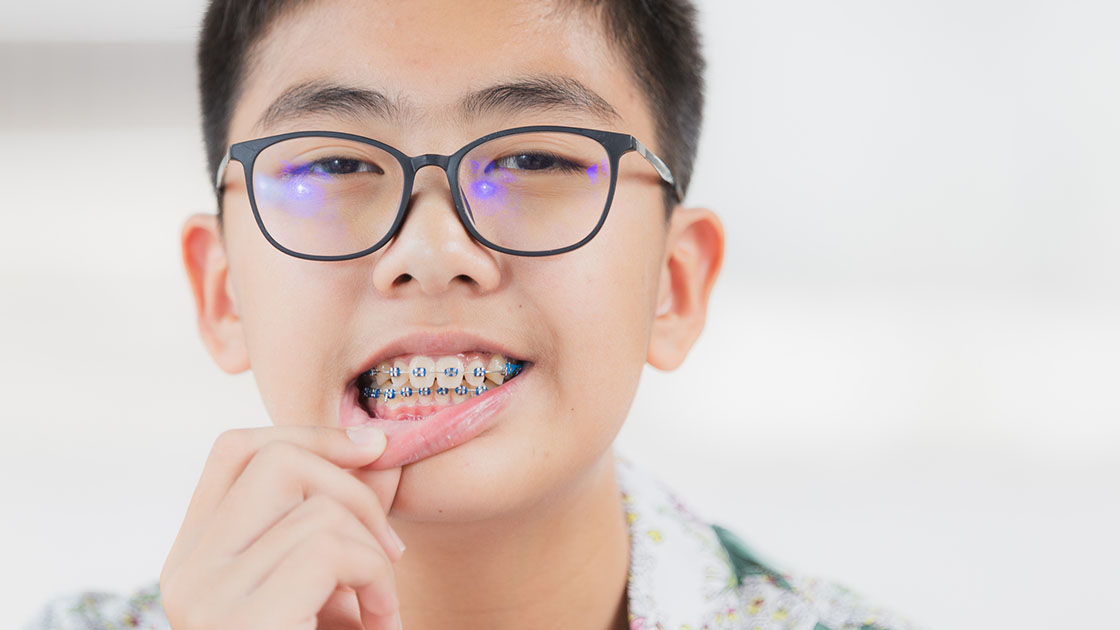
(604, 315)
(282, 302)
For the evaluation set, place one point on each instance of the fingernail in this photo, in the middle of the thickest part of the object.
(366, 436)
(396, 539)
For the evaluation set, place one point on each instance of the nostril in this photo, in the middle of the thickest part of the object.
(404, 278)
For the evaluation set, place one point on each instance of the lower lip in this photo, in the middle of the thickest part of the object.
(412, 440)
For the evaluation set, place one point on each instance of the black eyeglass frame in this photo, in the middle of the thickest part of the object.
(616, 145)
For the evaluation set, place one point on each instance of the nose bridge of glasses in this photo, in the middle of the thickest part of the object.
(430, 159)
(434, 159)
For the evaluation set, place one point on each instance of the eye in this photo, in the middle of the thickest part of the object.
(334, 166)
(534, 162)
(344, 166)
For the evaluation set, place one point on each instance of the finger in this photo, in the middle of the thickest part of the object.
(316, 516)
(280, 478)
(305, 579)
(341, 612)
(374, 621)
(230, 582)
(384, 484)
(232, 452)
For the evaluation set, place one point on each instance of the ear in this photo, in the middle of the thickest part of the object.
(693, 256)
(204, 257)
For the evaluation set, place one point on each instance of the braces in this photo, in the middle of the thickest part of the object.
(406, 391)
(508, 371)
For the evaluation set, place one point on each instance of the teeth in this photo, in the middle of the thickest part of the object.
(382, 375)
(398, 373)
(476, 371)
(421, 371)
(426, 382)
(449, 372)
(392, 400)
(495, 369)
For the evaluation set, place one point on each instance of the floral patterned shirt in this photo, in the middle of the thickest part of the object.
(685, 574)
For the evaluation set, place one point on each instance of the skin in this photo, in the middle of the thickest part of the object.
(537, 489)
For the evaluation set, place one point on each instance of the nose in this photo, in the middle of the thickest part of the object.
(432, 252)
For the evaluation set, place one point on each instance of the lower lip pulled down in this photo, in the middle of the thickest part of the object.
(412, 440)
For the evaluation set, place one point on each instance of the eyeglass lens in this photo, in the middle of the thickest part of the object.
(533, 192)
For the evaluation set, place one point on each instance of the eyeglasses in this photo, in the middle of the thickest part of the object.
(528, 191)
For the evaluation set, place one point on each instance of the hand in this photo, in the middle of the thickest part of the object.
(277, 533)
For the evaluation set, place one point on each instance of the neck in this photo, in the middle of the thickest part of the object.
(561, 563)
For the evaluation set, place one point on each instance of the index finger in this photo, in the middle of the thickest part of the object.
(234, 449)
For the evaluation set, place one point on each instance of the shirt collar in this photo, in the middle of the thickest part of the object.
(680, 575)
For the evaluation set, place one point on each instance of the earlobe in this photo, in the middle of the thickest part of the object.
(693, 257)
(207, 266)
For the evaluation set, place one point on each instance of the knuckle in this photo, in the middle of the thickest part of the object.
(324, 544)
(231, 441)
(275, 455)
(327, 510)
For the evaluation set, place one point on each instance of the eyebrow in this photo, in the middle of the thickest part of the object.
(538, 93)
(317, 97)
(545, 93)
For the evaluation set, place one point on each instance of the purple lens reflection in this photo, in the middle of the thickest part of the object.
(487, 197)
(296, 192)
(484, 188)
(297, 196)
(489, 193)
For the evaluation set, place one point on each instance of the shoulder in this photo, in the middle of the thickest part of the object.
(92, 610)
(800, 601)
(687, 572)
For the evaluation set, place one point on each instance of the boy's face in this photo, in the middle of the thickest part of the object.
(584, 321)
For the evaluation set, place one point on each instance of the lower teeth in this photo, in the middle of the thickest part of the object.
(388, 393)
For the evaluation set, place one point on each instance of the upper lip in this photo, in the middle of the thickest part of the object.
(436, 343)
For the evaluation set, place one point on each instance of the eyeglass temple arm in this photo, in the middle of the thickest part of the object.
(221, 171)
(658, 165)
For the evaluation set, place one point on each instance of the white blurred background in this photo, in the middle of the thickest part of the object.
(910, 378)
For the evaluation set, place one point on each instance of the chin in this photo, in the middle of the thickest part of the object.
(476, 481)
(497, 477)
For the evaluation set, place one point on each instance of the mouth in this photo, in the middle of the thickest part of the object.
(428, 403)
(412, 387)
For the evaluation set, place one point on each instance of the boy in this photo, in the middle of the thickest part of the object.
(448, 356)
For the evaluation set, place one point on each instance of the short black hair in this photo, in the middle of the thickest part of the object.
(659, 39)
